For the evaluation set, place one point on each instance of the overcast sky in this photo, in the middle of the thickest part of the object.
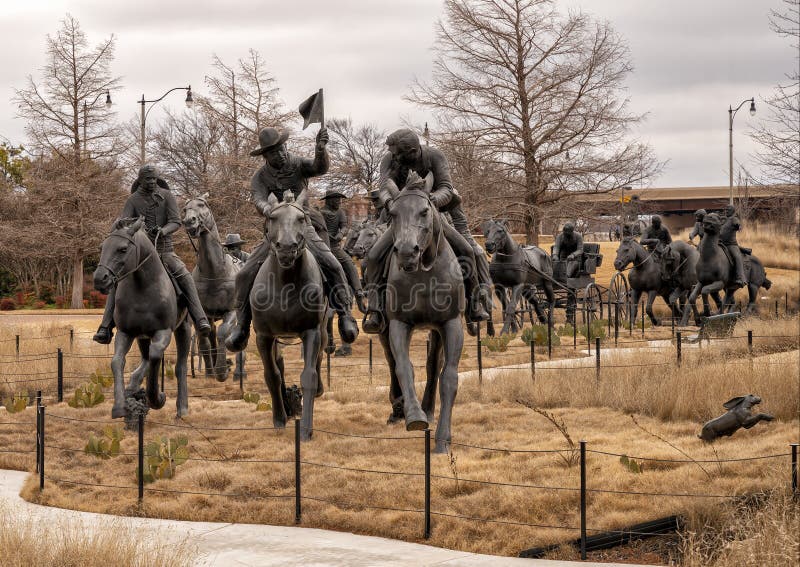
(692, 59)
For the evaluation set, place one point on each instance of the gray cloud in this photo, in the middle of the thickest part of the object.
(692, 59)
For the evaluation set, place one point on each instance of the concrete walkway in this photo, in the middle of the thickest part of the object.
(227, 545)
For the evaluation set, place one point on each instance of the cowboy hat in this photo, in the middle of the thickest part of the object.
(269, 138)
(330, 193)
(233, 240)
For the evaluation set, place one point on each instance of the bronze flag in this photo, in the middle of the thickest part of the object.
(312, 110)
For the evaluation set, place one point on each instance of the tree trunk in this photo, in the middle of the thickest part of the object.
(531, 232)
(77, 282)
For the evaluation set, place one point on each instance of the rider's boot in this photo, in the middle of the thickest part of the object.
(343, 304)
(105, 331)
(195, 308)
(373, 323)
(240, 333)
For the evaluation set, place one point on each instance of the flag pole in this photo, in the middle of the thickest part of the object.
(323, 108)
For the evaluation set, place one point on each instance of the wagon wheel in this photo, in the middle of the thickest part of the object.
(592, 305)
(619, 293)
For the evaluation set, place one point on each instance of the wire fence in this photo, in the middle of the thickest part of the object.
(581, 483)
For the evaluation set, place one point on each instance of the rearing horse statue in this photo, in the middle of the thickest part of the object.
(146, 310)
(214, 275)
(425, 289)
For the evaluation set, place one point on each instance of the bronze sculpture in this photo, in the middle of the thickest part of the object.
(214, 275)
(697, 230)
(233, 246)
(645, 277)
(146, 310)
(288, 300)
(283, 174)
(406, 155)
(519, 268)
(568, 248)
(425, 289)
(727, 236)
(738, 415)
(151, 199)
(715, 272)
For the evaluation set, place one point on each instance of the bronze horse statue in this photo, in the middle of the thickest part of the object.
(288, 301)
(425, 290)
(679, 268)
(214, 275)
(368, 234)
(518, 268)
(645, 277)
(715, 272)
(146, 310)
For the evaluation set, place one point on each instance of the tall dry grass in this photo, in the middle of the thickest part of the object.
(26, 541)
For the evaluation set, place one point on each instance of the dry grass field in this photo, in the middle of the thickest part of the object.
(667, 404)
(511, 480)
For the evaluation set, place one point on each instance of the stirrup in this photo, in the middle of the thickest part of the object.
(371, 327)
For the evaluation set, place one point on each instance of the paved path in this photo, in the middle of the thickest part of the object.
(228, 545)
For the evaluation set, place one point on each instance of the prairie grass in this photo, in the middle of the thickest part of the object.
(26, 540)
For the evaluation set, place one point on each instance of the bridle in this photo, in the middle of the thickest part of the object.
(427, 198)
(302, 245)
(643, 262)
(115, 279)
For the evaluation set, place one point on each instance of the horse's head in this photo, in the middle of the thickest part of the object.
(119, 254)
(626, 253)
(711, 224)
(197, 218)
(495, 233)
(286, 224)
(670, 261)
(352, 237)
(367, 237)
(415, 221)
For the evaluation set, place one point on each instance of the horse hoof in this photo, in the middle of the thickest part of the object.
(278, 424)
(117, 412)
(222, 377)
(159, 402)
(416, 420)
(181, 413)
(442, 447)
(306, 435)
(394, 419)
(472, 329)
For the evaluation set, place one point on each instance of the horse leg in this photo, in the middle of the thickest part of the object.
(693, 302)
(323, 341)
(395, 392)
(400, 341)
(511, 310)
(330, 345)
(752, 294)
(432, 365)
(273, 378)
(635, 296)
(137, 375)
(651, 297)
(183, 343)
(122, 344)
(312, 343)
(206, 350)
(530, 295)
(158, 344)
(453, 343)
(500, 292)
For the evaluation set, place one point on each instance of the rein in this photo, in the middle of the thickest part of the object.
(117, 278)
(640, 263)
(438, 244)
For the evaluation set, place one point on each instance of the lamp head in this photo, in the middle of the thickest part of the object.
(752, 107)
(189, 99)
(108, 99)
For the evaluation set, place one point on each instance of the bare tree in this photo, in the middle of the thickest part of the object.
(356, 153)
(542, 94)
(67, 123)
(779, 136)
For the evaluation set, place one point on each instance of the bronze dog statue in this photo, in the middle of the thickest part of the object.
(737, 416)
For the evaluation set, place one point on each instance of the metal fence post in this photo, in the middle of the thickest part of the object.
(479, 353)
(643, 319)
(193, 353)
(750, 343)
(71, 339)
(240, 361)
(140, 456)
(427, 484)
(597, 358)
(297, 506)
(38, 425)
(370, 361)
(631, 318)
(776, 308)
(17, 347)
(678, 347)
(574, 334)
(533, 359)
(794, 469)
(162, 372)
(616, 323)
(583, 500)
(549, 333)
(41, 447)
(328, 366)
(60, 356)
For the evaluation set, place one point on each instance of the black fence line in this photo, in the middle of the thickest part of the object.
(368, 471)
(662, 494)
(775, 456)
(353, 505)
(508, 484)
(26, 452)
(507, 522)
(235, 495)
(339, 434)
(504, 450)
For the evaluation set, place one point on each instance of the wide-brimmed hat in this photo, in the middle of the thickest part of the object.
(159, 181)
(269, 138)
(334, 193)
(233, 240)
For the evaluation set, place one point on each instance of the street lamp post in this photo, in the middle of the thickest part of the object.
(731, 113)
(86, 113)
(144, 112)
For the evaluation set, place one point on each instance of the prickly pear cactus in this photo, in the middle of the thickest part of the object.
(162, 457)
